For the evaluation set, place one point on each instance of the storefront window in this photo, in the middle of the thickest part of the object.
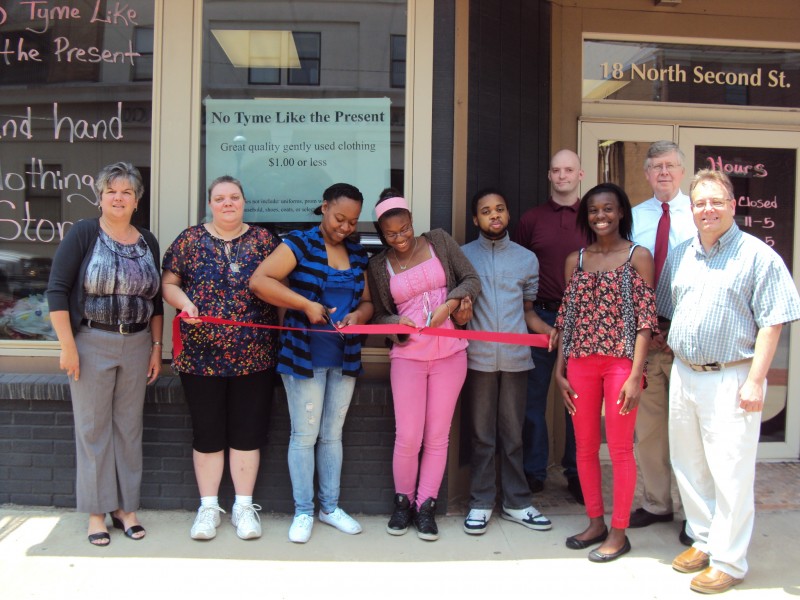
(76, 95)
(299, 95)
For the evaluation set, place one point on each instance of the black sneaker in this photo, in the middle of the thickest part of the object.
(425, 521)
(401, 517)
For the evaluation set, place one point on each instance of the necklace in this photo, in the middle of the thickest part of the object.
(397, 260)
(227, 248)
(120, 239)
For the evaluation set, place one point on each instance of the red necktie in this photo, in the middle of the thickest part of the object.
(662, 240)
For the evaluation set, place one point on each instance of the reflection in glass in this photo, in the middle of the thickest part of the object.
(86, 103)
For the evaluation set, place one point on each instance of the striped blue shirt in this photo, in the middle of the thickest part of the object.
(308, 279)
(718, 301)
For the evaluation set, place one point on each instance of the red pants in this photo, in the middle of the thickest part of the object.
(597, 381)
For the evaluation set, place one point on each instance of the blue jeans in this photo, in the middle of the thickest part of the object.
(535, 444)
(317, 408)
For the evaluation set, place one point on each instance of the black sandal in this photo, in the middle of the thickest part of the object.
(130, 531)
(98, 537)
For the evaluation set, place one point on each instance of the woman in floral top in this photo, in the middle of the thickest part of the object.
(605, 323)
(227, 372)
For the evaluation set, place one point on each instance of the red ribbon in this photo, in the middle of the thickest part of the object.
(537, 340)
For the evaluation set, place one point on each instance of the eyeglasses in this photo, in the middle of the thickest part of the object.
(393, 235)
(671, 167)
(714, 202)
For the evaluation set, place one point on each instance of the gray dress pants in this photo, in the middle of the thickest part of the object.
(107, 403)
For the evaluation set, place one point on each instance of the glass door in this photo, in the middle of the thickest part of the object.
(763, 166)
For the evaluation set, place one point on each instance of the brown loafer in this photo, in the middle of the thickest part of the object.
(690, 560)
(713, 581)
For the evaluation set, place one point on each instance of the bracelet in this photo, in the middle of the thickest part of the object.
(155, 343)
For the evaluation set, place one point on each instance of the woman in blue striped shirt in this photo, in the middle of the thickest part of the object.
(326, 286)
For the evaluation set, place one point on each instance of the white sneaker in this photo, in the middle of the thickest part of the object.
(477, 520)
(206, 523)
(247, 521)
(300, 531)
(527, 517)
(341, 520)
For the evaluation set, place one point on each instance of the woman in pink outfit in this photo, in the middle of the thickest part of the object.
(421, 281)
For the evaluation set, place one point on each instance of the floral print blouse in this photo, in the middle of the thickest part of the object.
(218, 290)
(602, 311)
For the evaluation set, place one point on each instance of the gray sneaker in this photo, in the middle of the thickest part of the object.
(247, 521)
(206, 523)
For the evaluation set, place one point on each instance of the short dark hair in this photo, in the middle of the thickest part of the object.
(119, 170)
(225, 179)
(480, 194)
(625, 223)
(340, 190)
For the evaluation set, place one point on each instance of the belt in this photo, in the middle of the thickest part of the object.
(551, 305)
(715, 366)
(123, 328)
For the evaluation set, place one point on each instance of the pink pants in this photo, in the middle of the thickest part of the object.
(597, 381)
(425, 395)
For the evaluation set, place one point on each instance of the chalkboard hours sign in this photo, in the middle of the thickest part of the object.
(764, 187)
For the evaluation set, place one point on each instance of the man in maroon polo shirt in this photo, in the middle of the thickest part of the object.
(551, 232)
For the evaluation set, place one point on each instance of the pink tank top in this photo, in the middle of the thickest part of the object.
(416, 293)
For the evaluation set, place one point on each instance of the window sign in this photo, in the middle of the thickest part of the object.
(72, 100)
(286, 152)
(763, 185)
(298, 95)
(690, 73)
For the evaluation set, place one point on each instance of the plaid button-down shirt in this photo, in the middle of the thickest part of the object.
(718, 301)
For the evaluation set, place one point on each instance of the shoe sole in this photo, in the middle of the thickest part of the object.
(347, 531)
(203, 537)
(534, 526)
(250, 535)
(474, 530)
(428, 537)
(299, 541)
(391, 531)
(714, 590)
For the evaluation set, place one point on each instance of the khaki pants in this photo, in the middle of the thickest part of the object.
(652, 435)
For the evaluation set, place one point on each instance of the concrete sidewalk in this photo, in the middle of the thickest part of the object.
(44, 554)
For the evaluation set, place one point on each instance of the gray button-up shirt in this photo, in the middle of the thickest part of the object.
(718, 301)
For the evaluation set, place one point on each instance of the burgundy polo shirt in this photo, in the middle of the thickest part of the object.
(551, 231)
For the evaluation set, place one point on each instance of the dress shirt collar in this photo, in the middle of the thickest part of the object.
(728, 237)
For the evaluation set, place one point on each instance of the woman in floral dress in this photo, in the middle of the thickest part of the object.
(605, 323)
(227, 372)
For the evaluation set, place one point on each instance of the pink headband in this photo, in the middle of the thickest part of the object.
(391, 203)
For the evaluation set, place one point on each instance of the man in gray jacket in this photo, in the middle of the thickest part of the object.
(497, 374)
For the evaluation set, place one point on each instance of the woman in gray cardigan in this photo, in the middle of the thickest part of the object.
(421, 281)
(106, 309)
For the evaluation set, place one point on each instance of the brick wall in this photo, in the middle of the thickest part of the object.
(37, 449)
